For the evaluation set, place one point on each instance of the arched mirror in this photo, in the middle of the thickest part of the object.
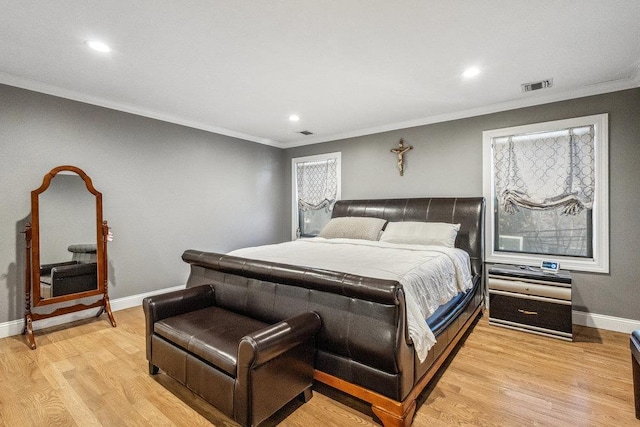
(66, 246)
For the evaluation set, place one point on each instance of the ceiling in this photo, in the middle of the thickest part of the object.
(345, 67)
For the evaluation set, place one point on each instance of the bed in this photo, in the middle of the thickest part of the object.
(370, 344)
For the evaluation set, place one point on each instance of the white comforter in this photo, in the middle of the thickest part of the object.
(430, 275)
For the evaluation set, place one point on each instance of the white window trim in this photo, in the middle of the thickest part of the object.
(599, 263)
(294, 180)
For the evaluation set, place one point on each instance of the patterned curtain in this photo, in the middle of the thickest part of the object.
(317, 185)
(546, 170)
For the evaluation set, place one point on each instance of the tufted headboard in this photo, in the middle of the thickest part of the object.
(466, 211)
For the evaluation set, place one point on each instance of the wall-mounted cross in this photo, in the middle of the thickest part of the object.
(400, 152)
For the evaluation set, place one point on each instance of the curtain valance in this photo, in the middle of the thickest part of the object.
(317, 184)
(546, 170)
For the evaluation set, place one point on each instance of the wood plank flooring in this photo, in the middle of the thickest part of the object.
(90, 374)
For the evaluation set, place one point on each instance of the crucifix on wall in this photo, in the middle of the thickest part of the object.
(400, 153)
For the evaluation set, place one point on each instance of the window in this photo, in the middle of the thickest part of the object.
(546, 187)
(316, 187)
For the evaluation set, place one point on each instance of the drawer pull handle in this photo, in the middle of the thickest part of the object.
(527, 312)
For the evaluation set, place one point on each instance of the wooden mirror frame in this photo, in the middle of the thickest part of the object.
(32, 270)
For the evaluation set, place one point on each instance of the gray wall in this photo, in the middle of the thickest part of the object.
(166, 188)
(447, 161)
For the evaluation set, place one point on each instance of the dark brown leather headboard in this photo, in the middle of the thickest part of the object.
(466, 211)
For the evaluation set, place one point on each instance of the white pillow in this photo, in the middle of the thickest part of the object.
(421, 233)
(353, 227)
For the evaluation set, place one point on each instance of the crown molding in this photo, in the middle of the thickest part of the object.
(532, 99)
(528, 101)
(12, 80)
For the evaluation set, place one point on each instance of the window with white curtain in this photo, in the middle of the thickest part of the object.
(546, 186)
(316, 188)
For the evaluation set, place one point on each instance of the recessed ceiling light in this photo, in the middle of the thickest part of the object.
(471, 72)
(294, 118)
(98, 45)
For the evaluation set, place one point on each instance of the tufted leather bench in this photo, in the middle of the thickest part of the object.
(635, 362)
(245, 367)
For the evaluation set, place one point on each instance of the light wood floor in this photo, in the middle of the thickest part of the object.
(89, 373)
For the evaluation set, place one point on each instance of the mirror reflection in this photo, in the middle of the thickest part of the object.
(68, 234)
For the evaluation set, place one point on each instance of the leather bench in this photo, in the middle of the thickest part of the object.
(245, 367)
(635, 362)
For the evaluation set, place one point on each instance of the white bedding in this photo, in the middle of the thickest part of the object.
(430, 275)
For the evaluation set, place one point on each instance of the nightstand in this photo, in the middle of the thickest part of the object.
(531, 300)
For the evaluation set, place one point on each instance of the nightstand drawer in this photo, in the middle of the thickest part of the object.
(542, 316)
(557, 292)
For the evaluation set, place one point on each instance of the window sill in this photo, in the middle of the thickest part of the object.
(590, 265)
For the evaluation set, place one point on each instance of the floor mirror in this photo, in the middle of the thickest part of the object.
(66, 249)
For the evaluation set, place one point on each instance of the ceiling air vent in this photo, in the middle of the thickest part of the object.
(306, 132)
(528, 87)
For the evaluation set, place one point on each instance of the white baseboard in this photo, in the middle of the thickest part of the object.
(136, 300)
(601, 321)
(15, 327)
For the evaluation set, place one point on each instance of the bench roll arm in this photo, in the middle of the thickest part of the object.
(268, 343)
(281, 353)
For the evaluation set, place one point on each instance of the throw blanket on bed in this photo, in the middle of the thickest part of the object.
(429, 275)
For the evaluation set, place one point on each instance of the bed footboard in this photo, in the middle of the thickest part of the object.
(362, 347)
(363, 338)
